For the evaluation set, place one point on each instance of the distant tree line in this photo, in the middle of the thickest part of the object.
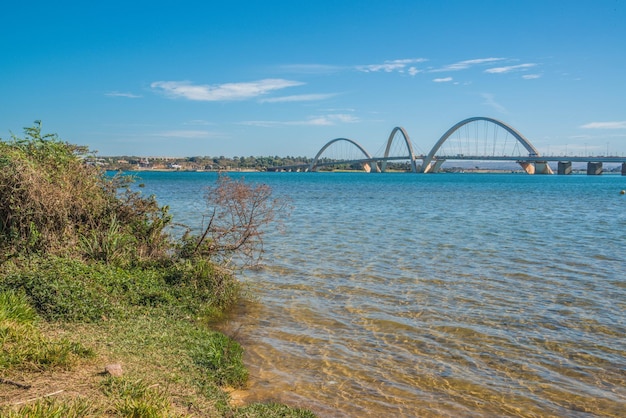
(207, 163)
(199, 162)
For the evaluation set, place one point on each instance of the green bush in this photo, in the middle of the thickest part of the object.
(53, 201)
(206, 283)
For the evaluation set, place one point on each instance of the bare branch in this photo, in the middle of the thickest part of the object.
(239, 213)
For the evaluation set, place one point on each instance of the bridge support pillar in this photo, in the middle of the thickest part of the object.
(368, 167)
(542, 167)
(565, 167)
(594, 168)
(623, 169)
(528, 167)
(437, 166)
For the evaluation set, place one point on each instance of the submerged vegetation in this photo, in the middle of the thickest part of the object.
(89, 275)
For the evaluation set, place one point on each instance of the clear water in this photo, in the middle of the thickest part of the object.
(434, 295)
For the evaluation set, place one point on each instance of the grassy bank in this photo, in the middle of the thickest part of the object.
(172, 363)
(102, 313)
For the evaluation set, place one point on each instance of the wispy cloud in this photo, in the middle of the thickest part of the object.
(221, 92)
(325, 120)
(442, 80)
(510, 68)
(605, 125)
(531, 76)
(120, 94)
(333, 119)
(401, 66)
(490, 100)
(464, 65)
(413, 70)
(299, 98)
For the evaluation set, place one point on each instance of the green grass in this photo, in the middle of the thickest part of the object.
(24, 347)
(258, 410)
(73, 290)
(222, 359)
(134, 398)
(52, 408)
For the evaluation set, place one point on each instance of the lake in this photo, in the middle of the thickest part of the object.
(474, 295)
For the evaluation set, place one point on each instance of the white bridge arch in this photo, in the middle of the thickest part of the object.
(411, 156)
(427, 164)
(315, 162)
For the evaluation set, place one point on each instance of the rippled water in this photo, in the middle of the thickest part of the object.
(435, 295)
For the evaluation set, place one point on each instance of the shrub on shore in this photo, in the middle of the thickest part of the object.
(65, 227)
(53, 202)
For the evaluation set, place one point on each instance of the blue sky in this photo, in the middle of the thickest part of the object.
(282, 78)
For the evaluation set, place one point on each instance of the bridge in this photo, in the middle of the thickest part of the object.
(473, 139)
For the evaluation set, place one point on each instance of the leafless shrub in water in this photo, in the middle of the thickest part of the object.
(238, 214)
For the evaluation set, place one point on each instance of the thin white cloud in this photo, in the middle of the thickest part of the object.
(221, 92)
(298, 98)
(605, 125)
(333, 119)
(442, 80)
(389, 66)
(531, 76)
(401, 65)
(510, 68)
(325, 120)
(490, 100)
(464, 65)
(120, 94)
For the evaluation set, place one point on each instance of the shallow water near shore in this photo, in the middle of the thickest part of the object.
(434, 295)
